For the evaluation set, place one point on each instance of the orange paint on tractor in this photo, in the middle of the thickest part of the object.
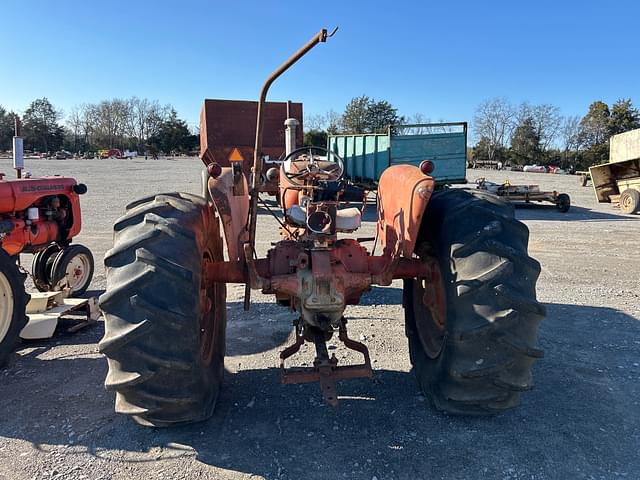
(56, 213)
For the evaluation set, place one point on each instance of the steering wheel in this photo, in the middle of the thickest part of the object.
(312, 163)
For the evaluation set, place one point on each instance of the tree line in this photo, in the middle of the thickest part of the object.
(539, 134)
(511, 134)
(126, 124)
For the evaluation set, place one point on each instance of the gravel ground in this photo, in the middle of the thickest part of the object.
(581, 421)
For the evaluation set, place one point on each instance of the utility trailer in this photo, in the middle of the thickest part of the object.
(525, 193)
(366, 156)
(618, 182)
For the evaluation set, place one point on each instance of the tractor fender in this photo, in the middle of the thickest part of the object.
(232, 209)
(403, 194)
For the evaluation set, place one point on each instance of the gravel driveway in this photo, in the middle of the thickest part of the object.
(581, 421)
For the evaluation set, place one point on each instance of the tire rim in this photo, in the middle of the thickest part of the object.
(431, 310)
(627, 202)
(76, 273)
(6, 306)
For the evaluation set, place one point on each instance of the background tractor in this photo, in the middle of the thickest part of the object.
(38, 216)
(469, 285)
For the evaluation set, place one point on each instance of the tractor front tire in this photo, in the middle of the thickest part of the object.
(488, 347)
(164, 323)
(13, 304)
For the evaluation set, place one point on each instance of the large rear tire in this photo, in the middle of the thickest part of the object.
(492, 315)
(13, 304)
(164, 323)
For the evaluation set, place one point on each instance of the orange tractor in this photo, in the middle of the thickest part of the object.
(38, 216)
(469, 285)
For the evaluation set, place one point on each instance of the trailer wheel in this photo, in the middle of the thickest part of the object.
(73, 269)
(563, 202)
(481, 361)
(630, 201)
(582, 180)
(164, 323)
(13, 304)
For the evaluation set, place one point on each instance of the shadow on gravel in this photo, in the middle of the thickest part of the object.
(382, 296)
(533, 211)
(581, 420)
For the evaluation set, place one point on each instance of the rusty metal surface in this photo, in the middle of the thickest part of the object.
(403, 194)
(233, 211)
(430, 308)
(229, 124)
(325, 369)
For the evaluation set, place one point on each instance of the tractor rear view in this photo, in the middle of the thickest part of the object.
(471, 312)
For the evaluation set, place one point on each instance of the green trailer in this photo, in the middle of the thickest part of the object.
(366, 156)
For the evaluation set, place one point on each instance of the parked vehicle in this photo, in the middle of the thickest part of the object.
(40, 216)
(63, 155)
(110, 153)
(618, 182)
(367, 156)
(534, 169)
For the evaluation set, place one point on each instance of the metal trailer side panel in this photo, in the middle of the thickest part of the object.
(446, 150)
(365, 156)
(624, 146)
(229, 124)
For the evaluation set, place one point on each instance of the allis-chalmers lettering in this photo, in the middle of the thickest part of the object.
(42, 188)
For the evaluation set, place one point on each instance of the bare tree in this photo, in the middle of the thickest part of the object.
(75, 123)
(546, 120)
(334, 122)
(493, 122)
(417, 119)
(316, 121)
(570, 134)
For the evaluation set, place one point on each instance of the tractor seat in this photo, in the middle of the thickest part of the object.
(347, 219)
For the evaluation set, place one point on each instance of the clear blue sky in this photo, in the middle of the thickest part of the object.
(437, 58)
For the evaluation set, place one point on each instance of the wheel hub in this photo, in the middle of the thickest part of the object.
(76, 273)
(430, 306)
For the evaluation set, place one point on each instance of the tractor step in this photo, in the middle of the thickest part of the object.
(45, 309)
(325, 369)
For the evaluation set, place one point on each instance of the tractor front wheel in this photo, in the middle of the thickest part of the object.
(164, 322)
(13, 304)
(473, 352)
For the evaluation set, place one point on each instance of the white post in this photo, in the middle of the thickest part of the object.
(18, 152)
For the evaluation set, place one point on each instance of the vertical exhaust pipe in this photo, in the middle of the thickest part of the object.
(290, 124)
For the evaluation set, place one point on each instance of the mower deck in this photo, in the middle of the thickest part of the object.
(45, 309)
